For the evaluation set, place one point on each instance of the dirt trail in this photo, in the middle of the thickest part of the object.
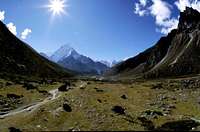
(31, 107)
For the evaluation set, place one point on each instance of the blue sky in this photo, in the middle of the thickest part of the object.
(100, 29)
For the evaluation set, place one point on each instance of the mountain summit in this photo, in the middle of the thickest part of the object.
(63, 52)
(69, 58)
(174, 55)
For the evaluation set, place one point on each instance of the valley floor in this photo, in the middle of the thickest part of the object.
(170, 104)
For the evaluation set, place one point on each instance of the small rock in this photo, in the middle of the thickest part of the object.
(88, 83)
(82, 88)
(9, 83)
(45, 119)
(67, 108)
(157, 86)
(65, 87)
(30, 86)
(99, 90)
(99, 100)
(13, 129)
(147, 124)
(118, 109)
(152, 114)
(123, 97)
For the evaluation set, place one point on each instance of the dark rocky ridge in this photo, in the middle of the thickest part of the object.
(173, 55)
(17, 58)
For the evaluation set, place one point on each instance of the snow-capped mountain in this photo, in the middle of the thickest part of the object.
(68, 57)
(63, 52)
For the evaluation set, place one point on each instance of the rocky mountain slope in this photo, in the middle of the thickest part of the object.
(69, 58)
(173, 55)
(18, 58)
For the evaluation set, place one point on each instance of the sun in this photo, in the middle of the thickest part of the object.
(57, 7)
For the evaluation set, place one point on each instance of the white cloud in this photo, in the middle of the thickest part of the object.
(138, 7)
(161, 11)
(138, 10)
(170, 25)
(143, 2)
(182, 4)
(25, 33)
(2, 15)
(12, 28)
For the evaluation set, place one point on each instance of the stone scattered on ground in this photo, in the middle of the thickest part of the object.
(118, 109)
(44, 92)
(124, 96)
(151, 114)
(88, 83)
(67, 107)
(30, 86)
(66, 87)
(147, 124)
(9, 83)
(182, 125)
(99, 100)
(13, 129)
(98, 90)
(157, 86)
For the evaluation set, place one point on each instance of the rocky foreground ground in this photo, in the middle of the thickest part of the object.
(165, 104)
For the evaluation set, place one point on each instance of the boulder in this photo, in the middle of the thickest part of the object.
(119, 110)
(182, 125)
(99, 100)
(66, 107)
(13, 129)
(9, 83)
(65, 87)
(99, 90)
(124, 96)
(30, 86)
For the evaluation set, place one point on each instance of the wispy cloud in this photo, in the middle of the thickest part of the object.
(12, 28)
(139, 7)
(25, 33)
(2, 15)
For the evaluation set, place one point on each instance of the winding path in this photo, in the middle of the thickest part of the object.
(31, 107)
